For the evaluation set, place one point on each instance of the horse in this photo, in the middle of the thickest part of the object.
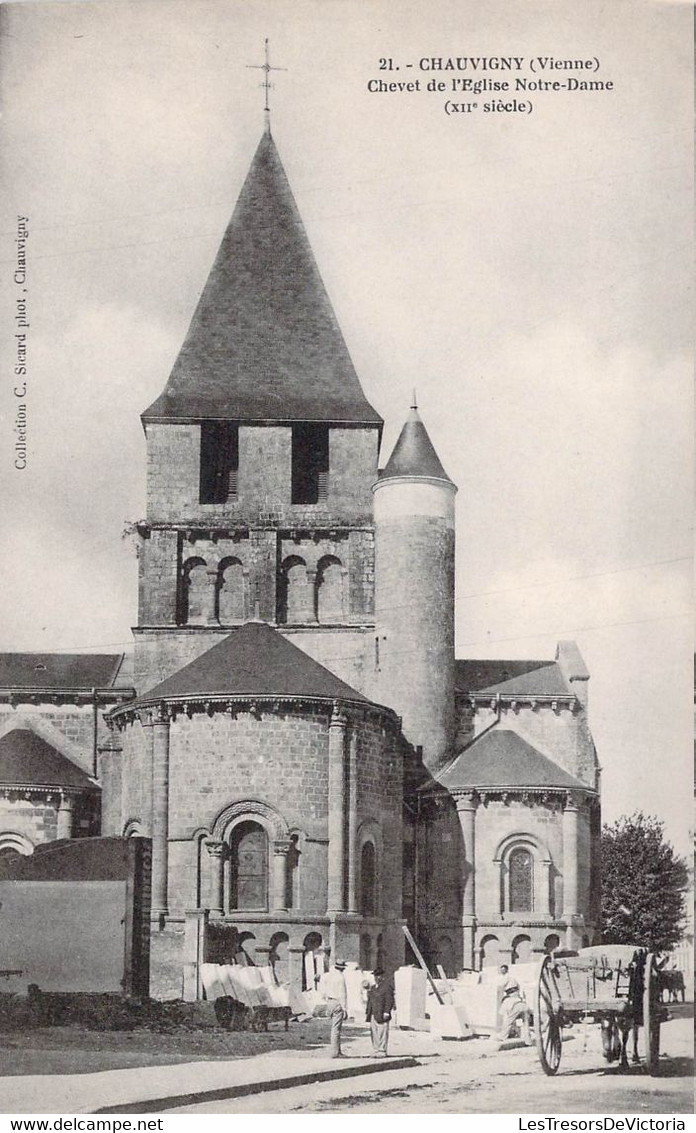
(615, 1031)
(672, 982)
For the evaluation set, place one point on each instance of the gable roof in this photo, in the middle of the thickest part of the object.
(414, 453)
(77, 671)
(28, 760)
(264, 343)
(511, 678)
(253, 660)
(501, 758)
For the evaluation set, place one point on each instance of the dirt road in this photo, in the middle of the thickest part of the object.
(471, 1078)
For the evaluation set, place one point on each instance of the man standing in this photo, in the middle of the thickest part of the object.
(334, 987)
(380, 1004)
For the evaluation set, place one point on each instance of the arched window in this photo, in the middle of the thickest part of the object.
(195, 592)
(13, 846)
(249, 867)
(230, 592)
(520, 881)
(294, 598)
(368, 880)
(328, 592)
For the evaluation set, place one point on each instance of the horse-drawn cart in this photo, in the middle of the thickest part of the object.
(617, 986)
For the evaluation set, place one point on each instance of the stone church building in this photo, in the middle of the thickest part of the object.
(296, 736)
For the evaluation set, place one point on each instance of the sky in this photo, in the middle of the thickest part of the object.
(528, 273)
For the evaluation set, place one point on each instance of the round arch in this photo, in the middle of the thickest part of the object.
(12, 844)
(250, 809)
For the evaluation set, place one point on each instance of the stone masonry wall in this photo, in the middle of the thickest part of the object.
(563, 736)
(35, 819)
(69, 725)
(264, 478)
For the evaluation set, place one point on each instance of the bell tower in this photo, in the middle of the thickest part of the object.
(261, 454)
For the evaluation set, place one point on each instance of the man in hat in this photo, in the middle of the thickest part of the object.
(334, 987)
(380, 1004)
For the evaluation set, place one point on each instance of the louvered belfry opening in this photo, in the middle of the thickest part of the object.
(219, 461)
(310, 463)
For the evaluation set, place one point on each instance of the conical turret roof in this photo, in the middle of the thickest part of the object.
(414, 453)
(264, 343)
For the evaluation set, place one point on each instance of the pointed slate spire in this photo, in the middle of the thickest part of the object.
(264, 344)
(414, 453)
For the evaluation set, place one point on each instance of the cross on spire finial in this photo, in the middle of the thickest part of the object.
(266, 68)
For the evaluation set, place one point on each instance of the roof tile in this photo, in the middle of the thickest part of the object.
(27, 759)
(264, 343)
(501, 758)
(253, 660)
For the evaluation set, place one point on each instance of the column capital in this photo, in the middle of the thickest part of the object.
(215, 848)
(465, 800)
(338, 717)
(574, 800)
(161, 714)
(281, 849)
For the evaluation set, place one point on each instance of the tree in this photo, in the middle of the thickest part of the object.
(642, 884)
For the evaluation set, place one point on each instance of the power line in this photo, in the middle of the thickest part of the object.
(397, 653)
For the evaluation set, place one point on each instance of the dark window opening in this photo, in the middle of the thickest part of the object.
(310, 463)
(219, 461)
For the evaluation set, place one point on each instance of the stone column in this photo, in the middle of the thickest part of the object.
(210, 612)
(295, 966)
(279, 877)
(196, 925)
(311, 597)
(216, 875)
(160, 814)
(65, 815)
(466, 803)
(148, 737)
(570, 856)
(544, 887)
(336, 849)
(353, 821)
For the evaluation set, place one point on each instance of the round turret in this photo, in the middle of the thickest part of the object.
(414, 591)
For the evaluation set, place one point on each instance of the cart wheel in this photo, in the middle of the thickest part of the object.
(652, 1015)
(547, 1020)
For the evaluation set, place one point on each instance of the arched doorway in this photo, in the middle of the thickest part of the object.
(312, 961)
(490, 952)
(521, 949)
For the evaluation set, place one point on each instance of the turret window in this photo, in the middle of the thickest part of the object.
(219, 461)
(310, 463)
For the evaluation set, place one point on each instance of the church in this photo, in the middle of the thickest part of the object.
(294, 731)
